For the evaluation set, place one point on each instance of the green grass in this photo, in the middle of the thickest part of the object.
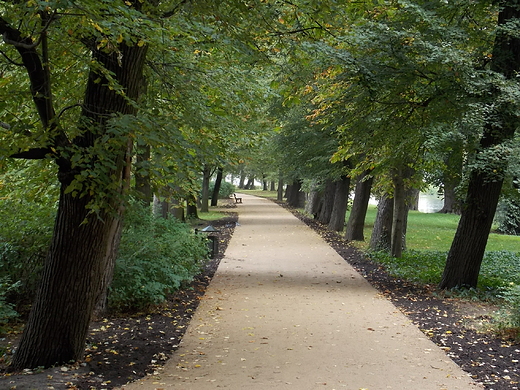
(260, 193)
(435, 232)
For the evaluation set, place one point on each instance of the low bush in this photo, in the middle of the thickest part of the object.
(25, 234)
(7, 310)
(156, 256)
(225, 191)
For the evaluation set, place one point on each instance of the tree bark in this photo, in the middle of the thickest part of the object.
(83, 245)
(294, 194)
(339, 209)
(314, 199)
(485, 184)
(279, 194)
(216, 188)
(272, 186)
(400, 210)
(451, 203)
(191, 207)
(206, 176)
(328, 202)
(356, 221)
(382, 232)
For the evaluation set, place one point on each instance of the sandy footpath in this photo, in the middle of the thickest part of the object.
(284, 311)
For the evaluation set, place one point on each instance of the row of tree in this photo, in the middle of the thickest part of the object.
(102, 99)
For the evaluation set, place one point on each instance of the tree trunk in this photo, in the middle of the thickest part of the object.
(467, 249)
(250, 184)
(356, 221)
(413, 199)
(82, 246)
(339, 209)
(191, 207)
(328, 202)
(279, 194)
(382, 232)
(264, 181)
(272, 186)
(400, 210)
(312, 206)
(451, 203)
(206, 176)
(294, 194)
(216, 188)
(242, 180)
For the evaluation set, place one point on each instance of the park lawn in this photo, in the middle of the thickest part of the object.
(435, 232)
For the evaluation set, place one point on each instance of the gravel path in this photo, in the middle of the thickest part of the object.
(285, 311)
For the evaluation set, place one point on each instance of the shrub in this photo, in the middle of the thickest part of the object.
(156, 256)
(225, 191)
(6, 309)
(25, 234)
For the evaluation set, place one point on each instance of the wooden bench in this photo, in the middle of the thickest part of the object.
(237, 200)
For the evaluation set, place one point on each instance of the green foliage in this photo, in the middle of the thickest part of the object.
(225, 191)
(156, 256)
(6, 309)
(25, 235)
(510, 315)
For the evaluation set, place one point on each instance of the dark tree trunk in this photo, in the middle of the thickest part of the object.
(328, 202)
(294, 194)
(400, 210)
(467, 249)
(279, 195)
(339, 209)
(82, 250)
(177, 210)
(206, 176)
(272, 186)
(216, 188)
(191, 207)
(356, 221)
(451, 202)
(250, 184)
(264, 181)
(382, 232)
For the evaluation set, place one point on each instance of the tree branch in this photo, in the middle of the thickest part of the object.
(33, 154)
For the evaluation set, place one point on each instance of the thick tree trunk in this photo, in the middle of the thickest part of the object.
(250, 184)
(339, 209)
(468, 246)
(382, 232)
(356, 221)
(272, 186)
(400, 210)
(216, 188)
(264, 181)
(314, 199)
(241, 183)
(328, 202)
(82, 247)
(206, 176)
(294, 194)
(191, 207)
(451, 203)
(279, 194)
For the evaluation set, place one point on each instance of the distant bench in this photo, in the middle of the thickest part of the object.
(237, 200)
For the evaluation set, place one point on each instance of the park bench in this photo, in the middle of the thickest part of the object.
(237, 200)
